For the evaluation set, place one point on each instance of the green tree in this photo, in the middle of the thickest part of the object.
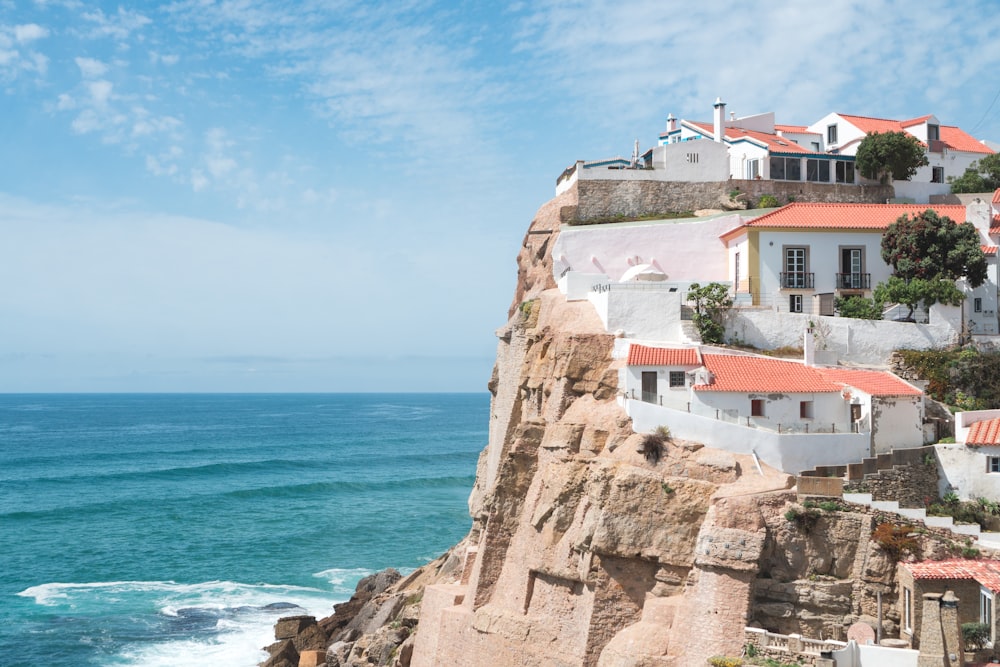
(890, 156)
(711, 303)
(981, 176)
(911, 293)
(931, 246)
(858, 307)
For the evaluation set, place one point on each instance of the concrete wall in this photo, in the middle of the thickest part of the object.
(634, 192)
(791, 453)
(856, 341)
(653, 313)
(684, 250)
(963, 470)
(577, 285)
(780, 410)
(897, 422)
(691, 161)
(630, 380)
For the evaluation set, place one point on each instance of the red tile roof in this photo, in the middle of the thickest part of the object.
(745, 373)
(989, 250)
(804, 215)
(996, 196)
(873, 383)
(954, 138)
(985, 572)
(762, 374)
(640, 355)
(797, 129)
(774, 143)
(986, 432)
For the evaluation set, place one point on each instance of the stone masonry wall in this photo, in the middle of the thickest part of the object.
(598, 199)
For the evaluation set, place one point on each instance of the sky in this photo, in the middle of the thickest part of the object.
(242, 195)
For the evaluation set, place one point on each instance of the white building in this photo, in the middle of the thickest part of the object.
(970, 467)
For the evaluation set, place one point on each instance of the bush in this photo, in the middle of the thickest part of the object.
(805, 518)
(976, 636)
(858, 307)
(652, 447)
(767, 201)
(895, 540)
(723, 661)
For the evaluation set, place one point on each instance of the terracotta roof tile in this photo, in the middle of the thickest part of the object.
(640, 355)
(868, 124)
(873, 383)
(985, 572)
(797, 129)
(958, 140)
(986, 432)
(989, 250)
(803, 215)
(954, 137)
(774, 143)
(745, 373)
(996, 196)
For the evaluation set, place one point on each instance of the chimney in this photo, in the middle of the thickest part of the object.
(954, 645)
(671, 123)
(932, 649)
(809, 346)
(720, 114)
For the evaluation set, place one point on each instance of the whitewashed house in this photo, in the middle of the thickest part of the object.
(792, 415)
(802, 256)
(950, 150)
(970, 466)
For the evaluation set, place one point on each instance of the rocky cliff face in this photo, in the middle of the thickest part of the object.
(593, 546)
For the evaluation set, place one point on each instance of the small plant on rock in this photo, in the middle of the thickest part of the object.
(652, 447)
(895, 540)
(724, 661)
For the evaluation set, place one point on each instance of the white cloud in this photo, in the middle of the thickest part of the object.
(116, 26)
(29, 32)
(91, 68)
(100, 92)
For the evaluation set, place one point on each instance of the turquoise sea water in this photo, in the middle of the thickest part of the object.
(175, 529)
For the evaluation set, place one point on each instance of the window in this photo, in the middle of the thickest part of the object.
(977, 304)
(845, 172)
(795, 275)
(692, 158)
(908, 610)
(993, 464)
(795, 303)
(815, 146)
(933, 133)
(649, 387)
(986, 609)
(757, 407)
(677, 378)
(753, 169)
(831, 134)
(937, 174)
(805, 409)
(818, 171)
(786, 169)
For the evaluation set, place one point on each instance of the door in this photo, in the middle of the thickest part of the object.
(850, 268)
(649, 386)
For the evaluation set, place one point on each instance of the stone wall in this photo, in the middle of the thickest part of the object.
(598, 199)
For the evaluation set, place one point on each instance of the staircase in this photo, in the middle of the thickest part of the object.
(965, 530)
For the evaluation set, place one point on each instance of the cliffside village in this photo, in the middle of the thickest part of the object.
(837, 409)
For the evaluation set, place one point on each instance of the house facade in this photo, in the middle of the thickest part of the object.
(803, 256)
(970, 466)
(976, 584)
(773, 395)
(949, 149)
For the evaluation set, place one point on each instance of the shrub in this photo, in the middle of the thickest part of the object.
(652, 447)
(724, 661)
(895, 540)
(976, 636)
(805, 518)
(858, 307)
(767, 201)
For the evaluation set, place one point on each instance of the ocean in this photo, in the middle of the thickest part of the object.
(174, 530)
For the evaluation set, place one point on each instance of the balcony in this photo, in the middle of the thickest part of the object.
(854, 281)
(935, 146)
(797, 280)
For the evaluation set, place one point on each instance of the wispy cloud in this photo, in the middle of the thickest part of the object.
(17, 56)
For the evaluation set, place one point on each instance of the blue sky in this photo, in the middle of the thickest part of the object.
(234, 195)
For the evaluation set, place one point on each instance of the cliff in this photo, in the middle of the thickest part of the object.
(593, 545)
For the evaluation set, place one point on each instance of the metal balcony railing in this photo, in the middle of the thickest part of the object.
(854, 281)
(798, 280)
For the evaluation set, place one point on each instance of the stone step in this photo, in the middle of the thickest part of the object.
(915, 514)
(972, 529)
(989, 540)
(858, 498)
(939, 522)
(885, 505)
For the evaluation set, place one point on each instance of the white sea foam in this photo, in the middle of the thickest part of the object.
(221, 623)
(343, 580)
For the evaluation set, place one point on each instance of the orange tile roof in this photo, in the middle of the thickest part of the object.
(763, 374)
(640, 355)
(806, 215)
(989, 250)
(745, 373)
(985, 572)
(773, 142)
(873, 383)
(986, 432)
(996, 196)
(797, 129)
(954, 138)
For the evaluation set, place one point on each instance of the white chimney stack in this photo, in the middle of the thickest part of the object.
(720, 114)
(671, 123)
(809, 346)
